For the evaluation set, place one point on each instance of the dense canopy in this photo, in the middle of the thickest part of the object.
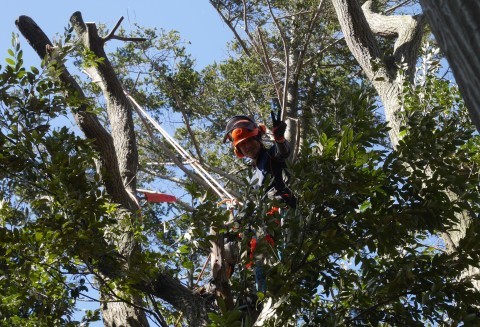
(385, 166)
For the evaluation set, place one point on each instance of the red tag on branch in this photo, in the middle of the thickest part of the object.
(156, 197)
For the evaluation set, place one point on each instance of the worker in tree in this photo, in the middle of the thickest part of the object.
(246, 137)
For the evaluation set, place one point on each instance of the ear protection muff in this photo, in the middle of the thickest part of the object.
(262, 128)
(237, 152)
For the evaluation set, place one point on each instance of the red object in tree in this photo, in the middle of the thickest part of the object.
(156, 197)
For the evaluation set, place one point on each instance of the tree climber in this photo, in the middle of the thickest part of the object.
(246, 137)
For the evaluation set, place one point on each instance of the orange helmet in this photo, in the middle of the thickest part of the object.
(240, 128)
(241, 134)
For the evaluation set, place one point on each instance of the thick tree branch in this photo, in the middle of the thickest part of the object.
(456, 27)
(408, 31)
(87, 122)
(383, 74)
(112, 263)
(359, 37)
(118, 107)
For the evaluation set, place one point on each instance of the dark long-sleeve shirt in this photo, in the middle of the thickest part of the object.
(272, 162)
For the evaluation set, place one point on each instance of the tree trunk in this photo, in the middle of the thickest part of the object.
(359, 25)
(120, 314)
(456, 27)
(219, 266)
(117, 164)
(117, 313)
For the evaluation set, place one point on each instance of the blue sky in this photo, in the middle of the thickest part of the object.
(196, 20)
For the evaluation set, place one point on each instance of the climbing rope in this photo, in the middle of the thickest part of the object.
(224, 195)
(194, 163)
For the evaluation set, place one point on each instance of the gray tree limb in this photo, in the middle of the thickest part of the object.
(118, 163)
(456, 26)
(358, 26)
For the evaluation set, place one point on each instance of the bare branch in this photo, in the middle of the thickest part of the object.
(309, 33)
(112, 33)
(127, 39)
(286, 50)
(245, 17)
(182, 107)
(119, 109)
(233, 29)
(268, 64)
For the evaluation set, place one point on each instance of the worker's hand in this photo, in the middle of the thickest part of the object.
(279, 127)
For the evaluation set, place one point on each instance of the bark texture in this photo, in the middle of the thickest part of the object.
(117, 165)
(456, 26)
(359, 26)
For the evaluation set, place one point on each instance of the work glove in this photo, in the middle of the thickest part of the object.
(279, 127)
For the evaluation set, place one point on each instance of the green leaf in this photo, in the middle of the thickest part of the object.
(364, 206)
(38, 236)
(233, 316)
(221, 305)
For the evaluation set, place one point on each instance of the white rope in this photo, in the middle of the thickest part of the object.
(215, 185)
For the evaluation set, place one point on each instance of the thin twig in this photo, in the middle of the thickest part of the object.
(233, 29)
(182, 108)
(307, 41)
(268, 63)
(129, 39)
(389, 10)
(112, 33)
(286, 51)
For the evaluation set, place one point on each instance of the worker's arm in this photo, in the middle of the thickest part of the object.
(279, 128)
(283, 149)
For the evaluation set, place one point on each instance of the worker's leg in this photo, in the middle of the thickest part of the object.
(261, 248)
(260, 277)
